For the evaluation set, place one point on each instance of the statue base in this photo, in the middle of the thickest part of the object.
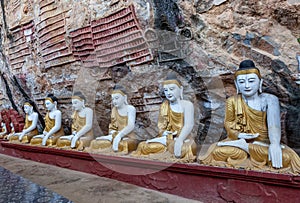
(194, 181)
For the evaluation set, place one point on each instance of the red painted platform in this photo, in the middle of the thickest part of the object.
(194, 181)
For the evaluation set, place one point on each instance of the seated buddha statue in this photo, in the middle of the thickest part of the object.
(252, 123)
(121, 137)
(175, 124)
(82, 125)
(12, 131)
(30, 127)
(53, 128)
(3, 130)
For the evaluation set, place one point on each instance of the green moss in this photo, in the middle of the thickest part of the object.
(298, 40)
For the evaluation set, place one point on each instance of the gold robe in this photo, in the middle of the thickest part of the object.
(28, 136)
(77, 124)
(118, 123)
(240, 118)
(49, 124)
(170, 121)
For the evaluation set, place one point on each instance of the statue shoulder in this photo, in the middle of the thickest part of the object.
(186, 103)
(88, 110)
(131, 108)
(269, 97)
(57, 112)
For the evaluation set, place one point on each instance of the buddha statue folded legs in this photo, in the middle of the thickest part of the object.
(30, 127)
(82, 123)
(53, 129)
(121, 137)
(252, 123)
(175, 124)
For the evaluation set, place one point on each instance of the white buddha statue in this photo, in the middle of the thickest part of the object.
(53, 128)
(121, 137)
(175, 124)
(30, 128)
(82, 125)
(252, 123)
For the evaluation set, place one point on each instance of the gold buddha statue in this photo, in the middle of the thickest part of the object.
(121, 137)
(252, 123)
(53, 128)
(30, 127)
(175, 124)
(82, 125)
(3, 130)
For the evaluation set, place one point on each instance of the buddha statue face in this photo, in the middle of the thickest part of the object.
(248, 84)
(28, 109)
(77, 104)
(49, 105)
(118, 99)
(172, 92)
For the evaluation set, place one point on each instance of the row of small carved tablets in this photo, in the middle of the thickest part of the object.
(50, 21)
(121, 40)
(113, 24)
(80, 31)
(18, 49)
(44, 3)
(53, 41)
(113, 16)
(51, 27)
(52, 34)
(54, 48)
(101, 40)
(57, 54)
(60, 61)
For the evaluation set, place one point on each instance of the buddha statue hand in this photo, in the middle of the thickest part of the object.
(73, 141)
(177, 147)
(162, 140)
(275, 155)
(166, 133)
(45, 138)
(21, 136)
(247, 136)
(115, 145)
(107, 137)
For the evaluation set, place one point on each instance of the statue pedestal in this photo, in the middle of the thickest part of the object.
(194, 181)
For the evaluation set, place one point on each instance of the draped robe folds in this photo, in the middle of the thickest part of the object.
(28, 136)
(49, 124)
(240, 118)
(168, 120)
(118, 122)
(77, 124)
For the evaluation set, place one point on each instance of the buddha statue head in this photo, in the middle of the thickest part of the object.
(119, 96)
(78, 101)
(51, 102)
(248, 80)
(28, 107)
(173, 89)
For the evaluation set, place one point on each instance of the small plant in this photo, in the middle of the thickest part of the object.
(298, 40)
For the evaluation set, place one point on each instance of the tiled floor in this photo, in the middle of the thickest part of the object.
(76, 186)
(16, 189)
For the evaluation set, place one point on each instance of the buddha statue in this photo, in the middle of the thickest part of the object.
(53, 128)
(121, 137)
(252, 123)
(175, 124)
(3, 130)
(30, 128)
(12, 131)
(82, 125)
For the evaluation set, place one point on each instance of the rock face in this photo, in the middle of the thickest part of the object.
(58, 47)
